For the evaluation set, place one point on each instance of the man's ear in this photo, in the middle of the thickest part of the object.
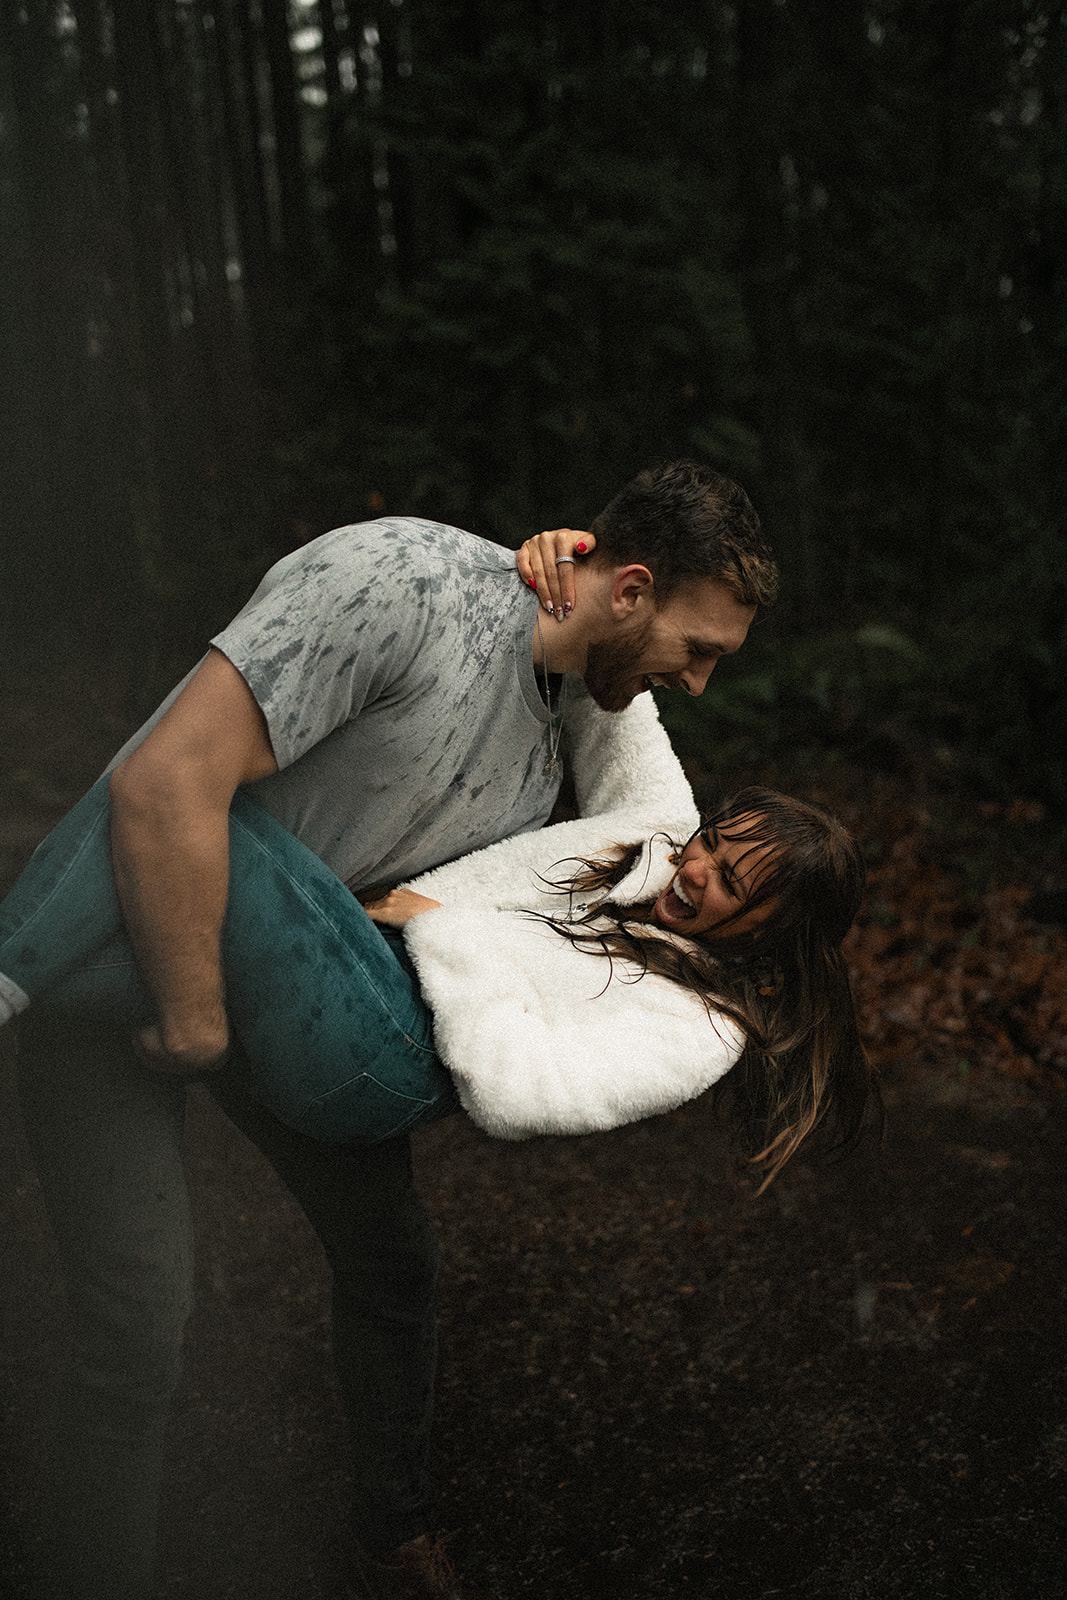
(631, 587)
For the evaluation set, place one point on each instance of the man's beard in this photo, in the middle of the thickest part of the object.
(613, 668)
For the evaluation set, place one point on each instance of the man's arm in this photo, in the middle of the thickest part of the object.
(170, 802)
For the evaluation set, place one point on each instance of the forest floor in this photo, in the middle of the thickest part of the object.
(652, 1382)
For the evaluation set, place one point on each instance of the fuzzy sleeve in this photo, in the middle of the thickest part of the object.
(629, 784)
(518, 873)
(624, 761)
(543, 1039)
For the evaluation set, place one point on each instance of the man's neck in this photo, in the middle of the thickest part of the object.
(563, 646)
(555, 649)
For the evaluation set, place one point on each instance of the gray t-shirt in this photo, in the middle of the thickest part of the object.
(392, 661)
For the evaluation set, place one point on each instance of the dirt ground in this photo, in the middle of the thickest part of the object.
(652, 1382)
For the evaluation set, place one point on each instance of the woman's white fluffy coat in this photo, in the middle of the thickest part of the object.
(540, 1037)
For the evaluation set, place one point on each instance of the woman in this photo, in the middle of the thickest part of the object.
(543, 995)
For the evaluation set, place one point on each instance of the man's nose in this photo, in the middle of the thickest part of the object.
(694, 680)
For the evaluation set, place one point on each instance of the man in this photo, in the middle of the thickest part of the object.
(379, 695)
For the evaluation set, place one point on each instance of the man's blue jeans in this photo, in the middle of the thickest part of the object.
(106, 1136)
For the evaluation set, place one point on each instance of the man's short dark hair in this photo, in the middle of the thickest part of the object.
(683, 521)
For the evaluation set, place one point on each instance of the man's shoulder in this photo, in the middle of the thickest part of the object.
(391, 567)
(415, 543)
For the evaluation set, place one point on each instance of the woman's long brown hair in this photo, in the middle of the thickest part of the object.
(803, 1078)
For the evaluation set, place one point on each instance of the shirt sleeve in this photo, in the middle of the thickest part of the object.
(331, 628)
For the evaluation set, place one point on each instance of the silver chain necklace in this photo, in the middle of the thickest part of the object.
(555, 720)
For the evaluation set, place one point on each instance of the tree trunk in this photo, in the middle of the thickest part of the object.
(288, 144)
(769, 272)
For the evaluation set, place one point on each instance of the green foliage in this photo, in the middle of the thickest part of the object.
(561, 308)
(510, 254)
(920, 696)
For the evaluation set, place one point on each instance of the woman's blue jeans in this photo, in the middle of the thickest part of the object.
(325, 1004)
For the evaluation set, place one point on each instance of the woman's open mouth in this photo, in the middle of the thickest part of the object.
(674, 905)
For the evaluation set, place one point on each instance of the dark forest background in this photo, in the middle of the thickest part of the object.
(271, 265)
(268, 266)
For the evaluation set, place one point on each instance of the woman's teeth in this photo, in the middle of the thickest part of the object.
(674, 906)
(683, 897)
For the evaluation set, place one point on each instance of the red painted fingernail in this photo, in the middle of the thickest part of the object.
(580, 549)
(532, 582)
